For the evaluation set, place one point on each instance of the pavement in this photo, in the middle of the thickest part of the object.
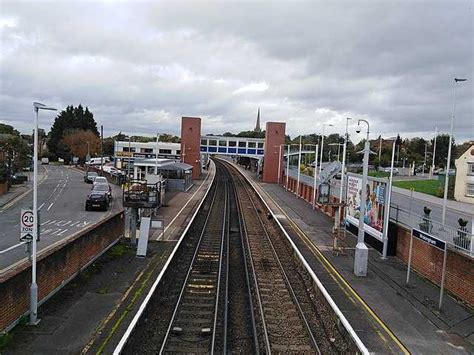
(61, 197)
(91, 313)
(388, 315)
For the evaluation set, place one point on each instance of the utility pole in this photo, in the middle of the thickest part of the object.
(101, 150)
(434, 153)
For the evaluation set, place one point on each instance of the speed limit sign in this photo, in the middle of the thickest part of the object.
(26, 224)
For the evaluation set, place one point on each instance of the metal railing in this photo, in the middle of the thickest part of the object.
(459, 239)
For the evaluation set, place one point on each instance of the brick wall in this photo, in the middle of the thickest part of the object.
(56, 265)
(191, 143)
(428, 261)
(274, 138)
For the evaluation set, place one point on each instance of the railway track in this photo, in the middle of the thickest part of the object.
(238, 288)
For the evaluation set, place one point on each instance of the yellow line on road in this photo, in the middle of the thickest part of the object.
(340, 279)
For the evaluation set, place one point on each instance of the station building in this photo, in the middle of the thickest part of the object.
(464, 183)
(126, 152)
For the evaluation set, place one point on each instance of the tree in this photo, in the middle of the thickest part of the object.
(69, 119)
(442, 144)
(77, 141)
(7, 129)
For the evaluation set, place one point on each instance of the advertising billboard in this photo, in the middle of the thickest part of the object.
(375, 203)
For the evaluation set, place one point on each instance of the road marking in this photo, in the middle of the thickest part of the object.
(74, 223)
(61, 224)
(12, 247)
(41, 205)
(46, 222)
(63, 231)
(51, 205)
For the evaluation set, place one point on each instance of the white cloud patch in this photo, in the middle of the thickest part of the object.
(140, 66)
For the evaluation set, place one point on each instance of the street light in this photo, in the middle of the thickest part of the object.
(434, 153)
(343, 169)
(339, 145)
(389, 198)
(34, 287)
(448, 163)
(322, 147)
(361, 251)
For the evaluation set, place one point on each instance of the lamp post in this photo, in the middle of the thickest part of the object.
(361, 251)
(34, 286)
(434, 153)
(448, 163)
(388, 201)
(299, 171)
(316, 147)
(322, 148)
(343, 169)
(339, 145)
(288, 166)
(279, 160)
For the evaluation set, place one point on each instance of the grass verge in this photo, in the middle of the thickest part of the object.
(430, 187)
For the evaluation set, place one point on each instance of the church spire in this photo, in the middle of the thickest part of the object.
(257, 126)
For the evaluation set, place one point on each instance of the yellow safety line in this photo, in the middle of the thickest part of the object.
(330, 268)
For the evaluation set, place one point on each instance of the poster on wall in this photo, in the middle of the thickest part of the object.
(375, 203)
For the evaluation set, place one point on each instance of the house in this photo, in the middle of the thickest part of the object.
(464, 184)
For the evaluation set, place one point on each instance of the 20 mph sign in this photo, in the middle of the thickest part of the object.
(26, 224)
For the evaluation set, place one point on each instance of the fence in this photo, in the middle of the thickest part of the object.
(458, 239)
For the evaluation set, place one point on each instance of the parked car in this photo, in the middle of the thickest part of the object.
(97, 199)
(387, 170)
(44, 161)
(89, 176)
(100, 180)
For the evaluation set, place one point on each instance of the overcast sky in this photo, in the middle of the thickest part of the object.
(140, 66)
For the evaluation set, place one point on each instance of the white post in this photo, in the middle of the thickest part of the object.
(34, 286)
(316, 148)
(380, 149)
(434, 153)
(387, 206)
(279, 166)
(343, 170)
(362, 252)
(287, 166)
(156, 156)
(410, 251)
(299, 171)
(322, 150)
(443, 276)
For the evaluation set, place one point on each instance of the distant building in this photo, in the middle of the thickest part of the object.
(257, 125)
(464, 184)
(125, 152)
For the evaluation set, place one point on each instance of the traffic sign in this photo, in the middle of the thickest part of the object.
(26, 223)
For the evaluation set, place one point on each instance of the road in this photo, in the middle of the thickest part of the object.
(401, 200)
(61, 199)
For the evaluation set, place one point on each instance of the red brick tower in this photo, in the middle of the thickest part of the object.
(191, 143)
(274, 137)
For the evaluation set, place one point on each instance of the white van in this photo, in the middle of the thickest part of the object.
(97, 161)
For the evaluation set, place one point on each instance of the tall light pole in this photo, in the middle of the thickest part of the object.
(299, 171)
(343, 169)
(288, 166)
(316, 147)
(448, 163)
(322, 148)
(434, 153)
(361, 251)
(34, 286)
(388, 201)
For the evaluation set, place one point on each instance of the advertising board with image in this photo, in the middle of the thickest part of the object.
(375, 203)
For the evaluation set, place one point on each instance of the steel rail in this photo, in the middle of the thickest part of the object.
(173, 317)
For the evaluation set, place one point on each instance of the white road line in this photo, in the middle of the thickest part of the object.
(64, 231)
(60, 224)
(40, 207)
(12, 247)
(73, 224)
(45, 222)
(51, 205)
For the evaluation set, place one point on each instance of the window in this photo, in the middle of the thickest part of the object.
(470, 168)
(126, 149)
(203, 141)
(242, 144)
(212, 142)
(222, 143)
(178, 152)
(470, 190)
(232, 143)
(260, 145)
(252, 144)
(146, 150)
(150, 170)
(165, 151)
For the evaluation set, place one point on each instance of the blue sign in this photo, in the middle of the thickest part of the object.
(429, 239)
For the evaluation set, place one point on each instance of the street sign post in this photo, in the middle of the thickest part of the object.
(26, 224)
(434, 242)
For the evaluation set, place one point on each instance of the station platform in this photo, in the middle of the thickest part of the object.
(90, 314)
(388, 315)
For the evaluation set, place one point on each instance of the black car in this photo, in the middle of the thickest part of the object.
(99, 186)
(97, 199)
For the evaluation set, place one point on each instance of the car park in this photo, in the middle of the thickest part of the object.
(89, 176)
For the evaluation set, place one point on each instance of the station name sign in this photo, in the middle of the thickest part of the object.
(429, 239)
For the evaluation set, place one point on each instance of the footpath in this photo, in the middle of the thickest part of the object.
(388, 315)
(90, 314)
(18, 191)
